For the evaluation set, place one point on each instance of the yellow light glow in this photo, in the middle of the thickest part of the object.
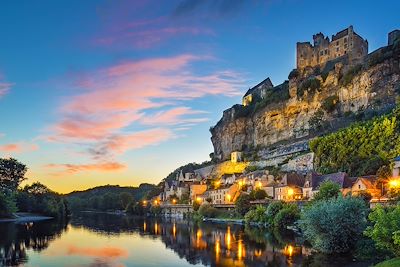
(144, 226)
(394, 183)
(290, 192)
(228, 197)
(155, 202)
(174, 230)
(259, 185)
(144, 202)
(228, 238)
(198, 199)
(289, 250)
(217, 250)
(174, 201)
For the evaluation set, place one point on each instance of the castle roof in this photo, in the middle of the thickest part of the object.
(340, 34)
(266, 83)
(340, 178)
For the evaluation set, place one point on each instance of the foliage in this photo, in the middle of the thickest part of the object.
(276, 94)
(272, 210)
(208, 211)
(310, 85)
(330, 103)
(389, 263)
(361, 148)
(257, 215)
(12, 173)
(7, 205)
(293, 74)
(327, 190)
(155, 210)
(286, 216)
(334, 225)
(365, 195)
(385, 229)
(105, 198)
(196, 205)
(38, 198)
(350, 74)
(258, 194)
(384, 172)
(136, 208)
(242, 204)
(317, 120)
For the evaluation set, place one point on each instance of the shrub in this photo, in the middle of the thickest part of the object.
(334, 225)
(208, 211)
(330, 103)
(385, 229)
(317, 120)
(272, 210)
(361, 148)
(242, 204)
(350, 74)
(327, 190)
(7, 205)
(293, 74)
(258, 194)
(196, 205)
(286, 216)
(311, 85)
(257, 215)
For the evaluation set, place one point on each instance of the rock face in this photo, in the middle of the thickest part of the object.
(345, 94)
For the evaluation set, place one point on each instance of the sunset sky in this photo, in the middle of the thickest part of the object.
(124, 92)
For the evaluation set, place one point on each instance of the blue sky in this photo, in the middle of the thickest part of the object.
(123, 92)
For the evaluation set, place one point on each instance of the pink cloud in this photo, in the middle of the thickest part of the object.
(20, 147)
(173, 116)
(4, 88)
(123, 95)
(65, 169)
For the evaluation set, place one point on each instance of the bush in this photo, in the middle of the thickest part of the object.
(361, 148)
(196, 205)
(330, 103)
(208, 211)
(258, 194)
(311, 85)
(257, 215)
(334, 225)
(317, 120)
(350, 74)
(385, 229)
(287, 216)
(7, 205)
(327, 190)
(272, 211)
(242, 204)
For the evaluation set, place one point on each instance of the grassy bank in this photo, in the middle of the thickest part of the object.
(389, 263)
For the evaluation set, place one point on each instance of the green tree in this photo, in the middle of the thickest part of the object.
(287, 216)
(334, 225)
(12, 173)
(208, 211)
(327, 190)
(7, 205)
(258, 194)
(385, 229)
(257, 215)
(242, 204)
(272, 211)
(125, 199)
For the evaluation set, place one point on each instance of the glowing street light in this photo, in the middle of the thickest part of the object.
(394, 183)
(174, 201)
(155, 202)
(290, 192)
(198, 199)
(144, 202)
(259, 185)
(228, 197)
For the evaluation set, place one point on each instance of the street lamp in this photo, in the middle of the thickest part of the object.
(174, 201)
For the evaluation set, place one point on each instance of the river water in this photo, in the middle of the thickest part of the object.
(91, 239)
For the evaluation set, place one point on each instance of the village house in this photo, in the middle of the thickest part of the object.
(290, 187)
(367, 184)
(223, 195)
(314, 180)
(197, 191)
(258, 92)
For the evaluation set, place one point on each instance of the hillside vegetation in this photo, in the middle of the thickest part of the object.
(361, 148)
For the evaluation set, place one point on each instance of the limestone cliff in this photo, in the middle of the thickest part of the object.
(311, 103)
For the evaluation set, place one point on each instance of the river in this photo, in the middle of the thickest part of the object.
(92, 239)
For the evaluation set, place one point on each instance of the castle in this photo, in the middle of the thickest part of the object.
(346, 43)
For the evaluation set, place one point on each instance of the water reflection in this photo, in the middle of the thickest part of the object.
(93, 239)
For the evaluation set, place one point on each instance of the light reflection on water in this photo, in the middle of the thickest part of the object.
(109, 240)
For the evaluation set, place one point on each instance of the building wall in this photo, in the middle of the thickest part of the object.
(196, 190)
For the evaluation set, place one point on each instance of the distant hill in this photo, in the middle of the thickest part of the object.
(109, 197)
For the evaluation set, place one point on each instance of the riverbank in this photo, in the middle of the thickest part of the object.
(23, 217)
(217, 220)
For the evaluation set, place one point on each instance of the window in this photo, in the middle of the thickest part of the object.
(345, 46)
(321, 53)
(337, 42)
(345, 40)
(359, 186)
(337, 49)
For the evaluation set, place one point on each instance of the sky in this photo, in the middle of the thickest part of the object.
(124, 92)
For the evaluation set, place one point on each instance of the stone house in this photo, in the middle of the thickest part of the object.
(223, 195)
(346, 43)
(367, 184)
(236, 156)
(197, 190)
(290, 187)
(313, 181)
(257, 92)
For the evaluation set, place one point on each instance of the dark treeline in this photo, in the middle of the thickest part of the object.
(35, 198)
(109, 197)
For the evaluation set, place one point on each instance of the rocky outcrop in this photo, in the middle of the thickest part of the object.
(345, 94)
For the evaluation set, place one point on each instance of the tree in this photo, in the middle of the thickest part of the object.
(287, 216)
(208, 211)
(258, 194)
(256, 215)
(242, 204)
(12, 173)
(125, 199)
(272, 211)
(7, 205)
(327, 190)
(37, 189)
(385, 229)
(334, 225)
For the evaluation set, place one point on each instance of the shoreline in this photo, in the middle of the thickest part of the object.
(25, 218)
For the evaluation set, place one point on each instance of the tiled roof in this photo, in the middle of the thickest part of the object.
(267, 82)
(340, 178)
